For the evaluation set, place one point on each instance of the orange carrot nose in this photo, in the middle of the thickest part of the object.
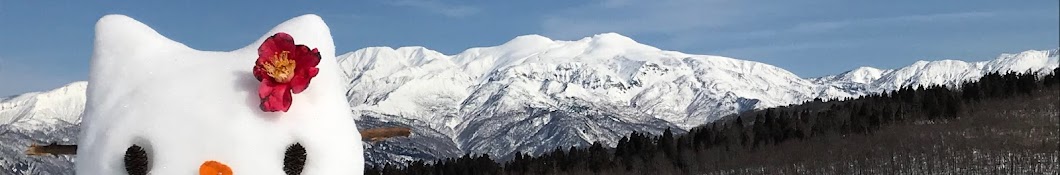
(214, 168)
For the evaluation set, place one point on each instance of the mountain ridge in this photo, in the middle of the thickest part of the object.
(536, 81)
(944, 72)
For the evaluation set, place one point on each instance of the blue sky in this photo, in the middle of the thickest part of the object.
(45, 44)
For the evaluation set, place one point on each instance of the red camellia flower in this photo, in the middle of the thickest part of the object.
(283, 68)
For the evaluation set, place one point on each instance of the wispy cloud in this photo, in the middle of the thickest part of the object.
(681, 17)
(817, 27)
(894, 20)
(639, 17)
(437, 6)
(764, 50)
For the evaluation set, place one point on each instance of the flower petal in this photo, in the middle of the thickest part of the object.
(306, 68)
(259, 72)
(313, 72)
(265, 88)
(301, 80)
(274, 44)
(306, 57)
(287, 100)
(274, 96)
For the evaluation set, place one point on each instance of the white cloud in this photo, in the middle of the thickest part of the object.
(437, 6)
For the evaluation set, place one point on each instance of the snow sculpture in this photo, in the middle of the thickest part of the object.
(171, 109)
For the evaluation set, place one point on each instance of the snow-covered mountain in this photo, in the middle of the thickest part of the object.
(40, 118)
(945, 72)
(533, 94)
(536, 72)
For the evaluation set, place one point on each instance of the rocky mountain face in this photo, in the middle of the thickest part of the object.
(531, 94)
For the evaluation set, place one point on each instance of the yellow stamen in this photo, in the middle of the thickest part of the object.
(280, 67)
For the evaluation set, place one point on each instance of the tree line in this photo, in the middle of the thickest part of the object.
(712, 147)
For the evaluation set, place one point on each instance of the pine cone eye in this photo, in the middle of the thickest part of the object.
(136, 160)
(294, 159)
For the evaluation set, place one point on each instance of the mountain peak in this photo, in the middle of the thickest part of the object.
(528, 41)
(614, 40)
(604, 41)
(863, 74)
(612, 37)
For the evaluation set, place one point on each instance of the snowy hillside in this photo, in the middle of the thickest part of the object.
(532, 94)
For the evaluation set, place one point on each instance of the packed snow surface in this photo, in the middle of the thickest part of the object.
(186, 106)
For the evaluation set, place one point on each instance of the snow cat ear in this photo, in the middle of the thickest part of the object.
(309, 30)
(122, 41)
(119, 36)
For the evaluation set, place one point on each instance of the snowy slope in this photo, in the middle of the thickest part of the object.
(533, 94)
